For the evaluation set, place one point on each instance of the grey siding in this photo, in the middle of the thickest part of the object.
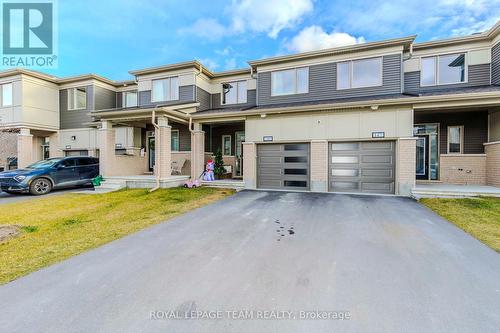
(184, 136)
(251, 101)
(104, 99)
(323, 82)
(186, 95)
(479, 75)
(75, 118)
(475, 128)
(495, 64)
(203, 97)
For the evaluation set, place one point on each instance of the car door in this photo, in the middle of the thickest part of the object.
(88, 168)
(65, 173)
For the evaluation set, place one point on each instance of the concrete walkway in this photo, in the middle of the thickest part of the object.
(389, 262)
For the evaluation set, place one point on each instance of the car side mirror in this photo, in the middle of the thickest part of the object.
(59, 167)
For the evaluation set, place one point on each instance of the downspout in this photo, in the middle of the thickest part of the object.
(157, 144)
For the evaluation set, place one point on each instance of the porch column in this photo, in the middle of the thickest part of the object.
(406, 151)
(106, 148)
(24, 148)
(197, 151)
(55, 146)
(250, 165)
(163, 158)
(492, 150)
(319, 165)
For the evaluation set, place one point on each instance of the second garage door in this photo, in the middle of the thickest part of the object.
(362, 166)
(283, 166)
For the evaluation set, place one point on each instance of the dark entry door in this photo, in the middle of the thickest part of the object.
(422, 158)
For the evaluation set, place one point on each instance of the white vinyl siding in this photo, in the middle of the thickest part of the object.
(290, 81)
(359, 73)
(165, 90)
(129, 99)
(443, 69)
(235, 92)
(77, 98)
(7, 94)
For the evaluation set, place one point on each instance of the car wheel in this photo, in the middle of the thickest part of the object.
(40, 186)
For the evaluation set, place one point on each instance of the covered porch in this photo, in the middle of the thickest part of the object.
(164, 143)
(457, 147)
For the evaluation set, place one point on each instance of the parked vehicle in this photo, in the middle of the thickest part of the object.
(43, 176)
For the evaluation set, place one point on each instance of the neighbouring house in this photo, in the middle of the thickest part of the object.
(377, 117)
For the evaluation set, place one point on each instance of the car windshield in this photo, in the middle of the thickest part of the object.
(44, 163)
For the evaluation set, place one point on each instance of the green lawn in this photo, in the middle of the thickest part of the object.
(55, 228)
(480, 217)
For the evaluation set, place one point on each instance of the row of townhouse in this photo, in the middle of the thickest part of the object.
(375, 117)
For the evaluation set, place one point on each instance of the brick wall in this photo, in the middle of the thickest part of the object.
(249, 164)
(8, 147)
(405, 165)
(493, 163)
(463, 169)
(319, 166)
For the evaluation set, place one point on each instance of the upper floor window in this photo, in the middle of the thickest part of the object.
(129, 99)
(166, 89)
(443, 69)
(77, 98)
(290, 81)
(359, 73)
(7, 94)
(234, 92)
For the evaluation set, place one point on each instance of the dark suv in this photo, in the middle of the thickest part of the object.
(41, 177)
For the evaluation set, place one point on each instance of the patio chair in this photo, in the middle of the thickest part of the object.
(177, 166)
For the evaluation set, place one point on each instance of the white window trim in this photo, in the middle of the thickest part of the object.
(11, 94)
(351, 71)
(73, 107)
(230, 145)
(462, 134)
(295, 87)
(436, 69)
(178, 140)
(237, 93)
(124, 98)
(154, 100)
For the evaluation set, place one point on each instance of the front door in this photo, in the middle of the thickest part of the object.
(151, 147)
(422, 160)
(240, 138)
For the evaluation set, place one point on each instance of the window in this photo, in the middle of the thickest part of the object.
(77, 98)
(7, 94)
(290, 81)
(174, 140)
(129, 99)
(234, 92)
(226, 145)
(165, 90)
(359, 73)
(455, 139)
(443, 69)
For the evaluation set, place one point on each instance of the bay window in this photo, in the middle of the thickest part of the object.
(290, 81)
(359, 73)
(165, 90)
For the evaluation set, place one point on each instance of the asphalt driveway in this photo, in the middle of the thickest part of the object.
(388, 263)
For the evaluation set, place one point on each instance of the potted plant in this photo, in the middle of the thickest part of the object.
(219, 170)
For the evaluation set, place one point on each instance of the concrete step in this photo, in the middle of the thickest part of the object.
(236, 185)
(110, 185)
(417, 194)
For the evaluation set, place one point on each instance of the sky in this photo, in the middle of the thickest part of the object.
(112, 37)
